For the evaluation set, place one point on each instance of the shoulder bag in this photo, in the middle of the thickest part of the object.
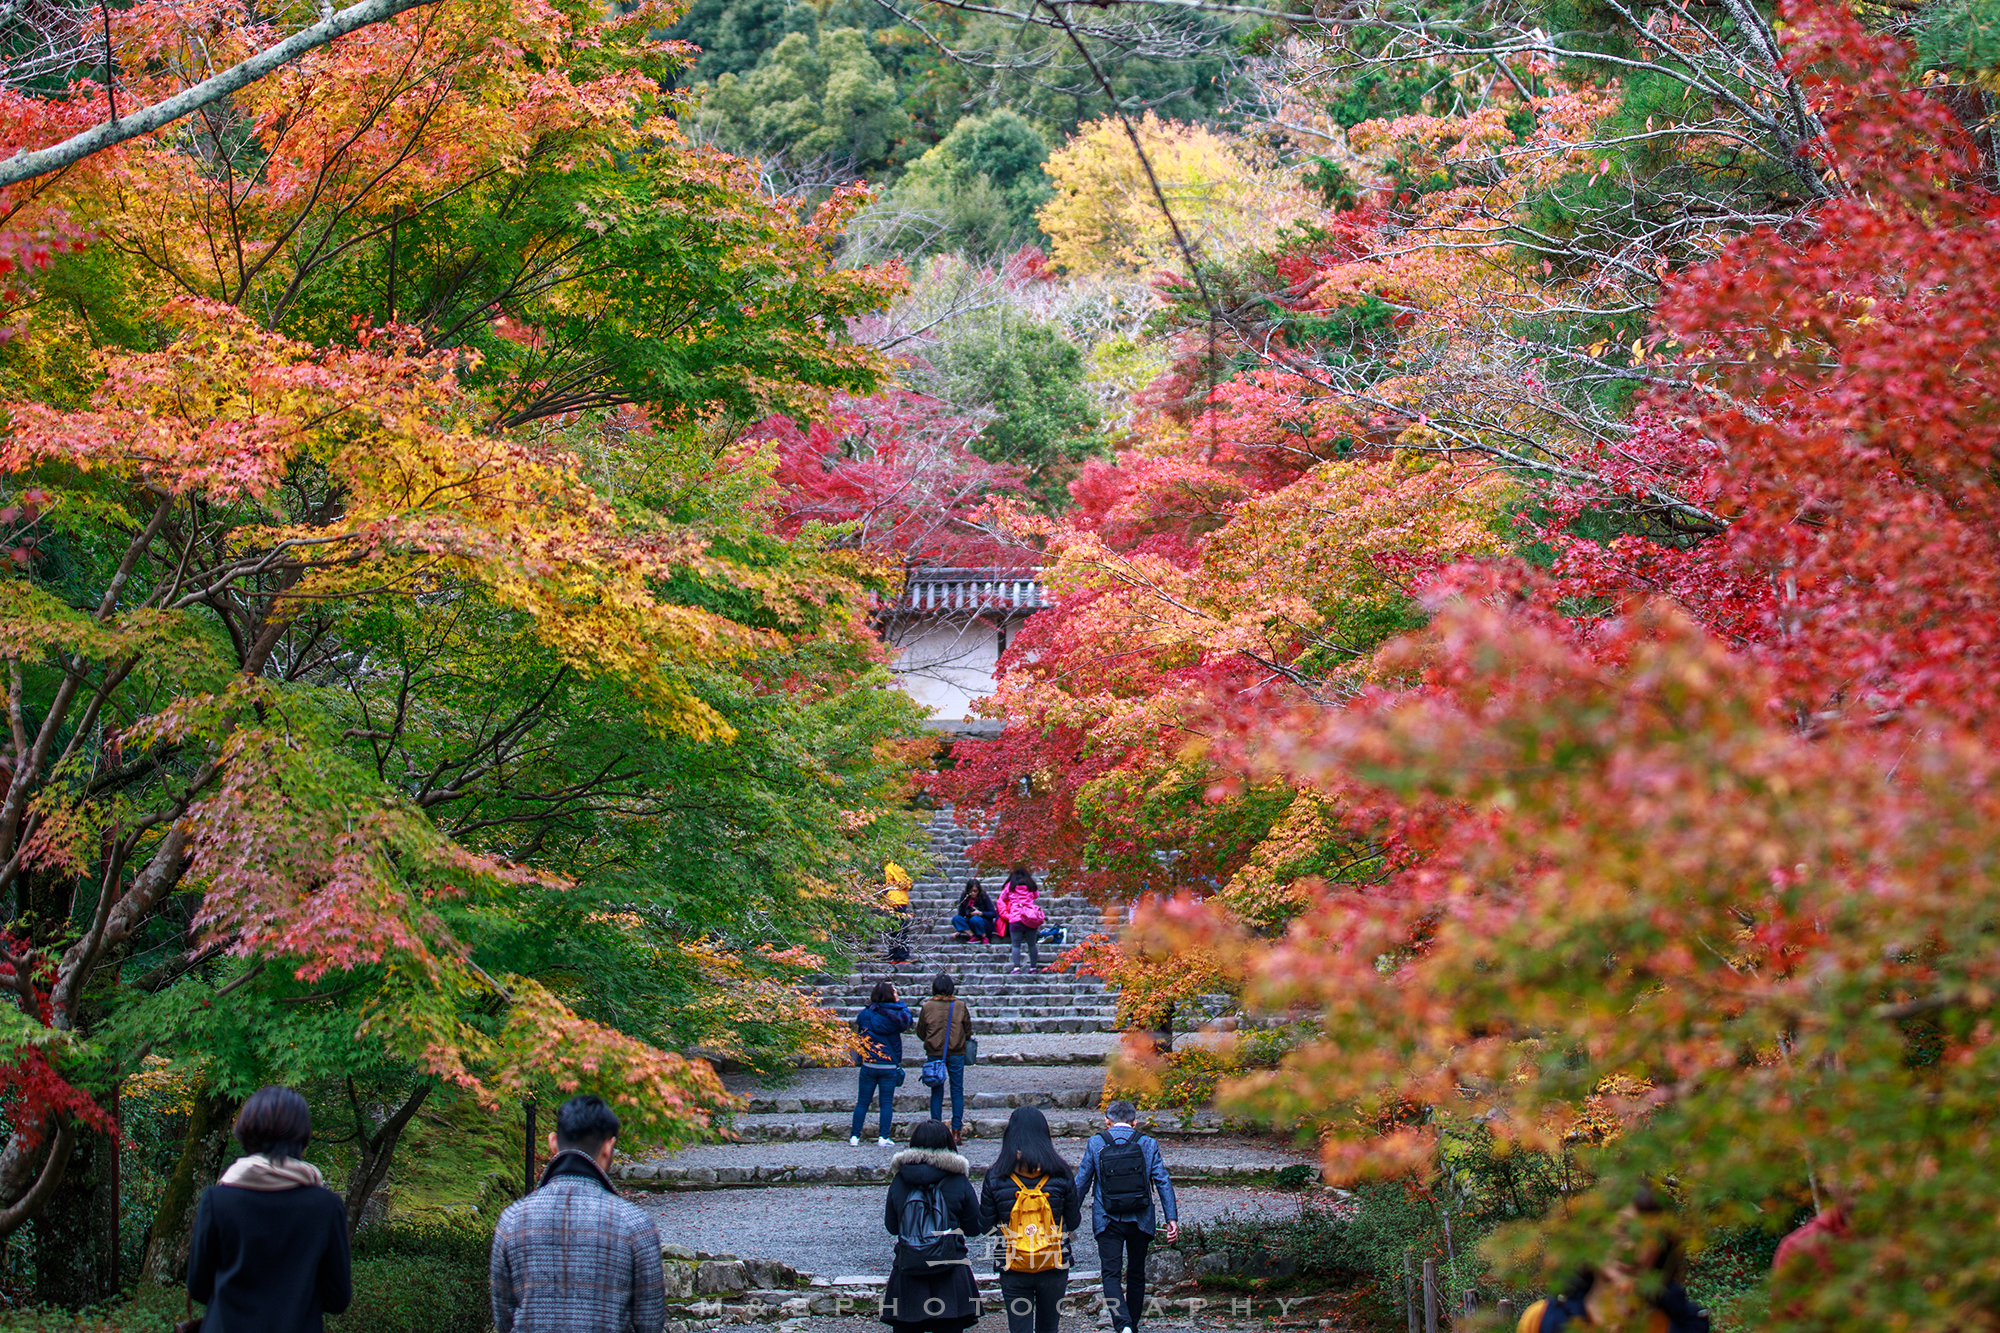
(935, 1074)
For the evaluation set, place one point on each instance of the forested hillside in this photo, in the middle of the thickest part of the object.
(1517, 481)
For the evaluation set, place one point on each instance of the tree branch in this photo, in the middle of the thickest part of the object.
(26, 165)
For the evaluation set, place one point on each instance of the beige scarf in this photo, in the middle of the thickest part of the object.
(258, 1172)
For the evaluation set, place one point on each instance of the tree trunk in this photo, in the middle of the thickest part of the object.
(73, 1253)
(200, 1164)
(372, 1150)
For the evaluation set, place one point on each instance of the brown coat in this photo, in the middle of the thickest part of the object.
(930, 1025)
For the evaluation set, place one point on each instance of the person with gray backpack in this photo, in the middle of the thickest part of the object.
(930, 1210)
(1121, 1170)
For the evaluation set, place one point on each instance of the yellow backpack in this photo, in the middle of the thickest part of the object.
(1532, 1317)
(1034, 1240)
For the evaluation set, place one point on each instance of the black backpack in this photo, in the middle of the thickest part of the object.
(925, 1236)
(1122, 1176)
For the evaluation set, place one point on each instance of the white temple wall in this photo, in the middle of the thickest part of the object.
(949, 664)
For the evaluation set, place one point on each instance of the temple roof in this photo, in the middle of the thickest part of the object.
(943, 590)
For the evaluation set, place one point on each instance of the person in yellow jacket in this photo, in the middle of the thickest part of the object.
(896, 895)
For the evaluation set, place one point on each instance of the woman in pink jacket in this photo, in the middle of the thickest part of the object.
(1021, 912)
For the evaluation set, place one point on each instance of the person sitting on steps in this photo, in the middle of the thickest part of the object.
(1121, 1169)
(943, 1025)
(883, 1023)
(1021, 913)
(976, 919)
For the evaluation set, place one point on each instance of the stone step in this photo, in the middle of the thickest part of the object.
(1001, 981)
(1063, 1124)
(859, 1295)
(1017, 1007)
(914, 1097)
(677, 1176)
(1003, 1027)
(1028, 1059)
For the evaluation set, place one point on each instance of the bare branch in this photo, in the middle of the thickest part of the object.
(26, 165)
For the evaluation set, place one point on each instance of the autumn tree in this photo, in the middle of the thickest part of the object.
(1679, 845)
(335, 688)
(1105, 214)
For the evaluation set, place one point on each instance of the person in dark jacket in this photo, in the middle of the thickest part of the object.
(573, 1257)
(976, 919)
(269, 1252)
(932, 1296)
(883, 1023)
(1124, 1234)
(1028, 1160)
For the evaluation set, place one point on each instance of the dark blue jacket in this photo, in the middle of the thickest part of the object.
(884, 1026)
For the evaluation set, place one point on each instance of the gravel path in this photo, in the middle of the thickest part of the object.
(837, 1232)
(1032, 1044)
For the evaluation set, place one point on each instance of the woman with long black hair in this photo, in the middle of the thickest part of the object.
(1030, 1198)
(269, 1253)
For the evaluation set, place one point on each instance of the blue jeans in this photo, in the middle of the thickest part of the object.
(871, 1081)
(975, 924)
(954, 1068)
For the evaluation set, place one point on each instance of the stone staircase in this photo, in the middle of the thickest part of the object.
(784, 1181)
(1001, 1002)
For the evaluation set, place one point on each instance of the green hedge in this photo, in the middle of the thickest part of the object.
(408, 1293)
(148, 1310)
(408, 1278)
(420, 1277)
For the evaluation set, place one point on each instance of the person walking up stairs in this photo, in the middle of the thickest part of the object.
(1121, 1169)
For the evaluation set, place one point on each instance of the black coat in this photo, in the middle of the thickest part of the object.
(269, 1261)
(996, 1205)
(940, 1299)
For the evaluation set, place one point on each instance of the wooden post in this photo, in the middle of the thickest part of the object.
(528, 1156)
(1430, 1296)
(1506, 1313)
(1410, 1289)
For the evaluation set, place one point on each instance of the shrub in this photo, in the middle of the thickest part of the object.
(409, 1293)
(1317, 1244)
(1187, 1078)
(425, 1276)
(147, 1310)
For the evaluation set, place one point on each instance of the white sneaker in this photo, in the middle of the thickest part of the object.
(854, 1140)
(885, 1143)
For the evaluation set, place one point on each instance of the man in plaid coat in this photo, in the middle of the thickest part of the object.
(573, 1257)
